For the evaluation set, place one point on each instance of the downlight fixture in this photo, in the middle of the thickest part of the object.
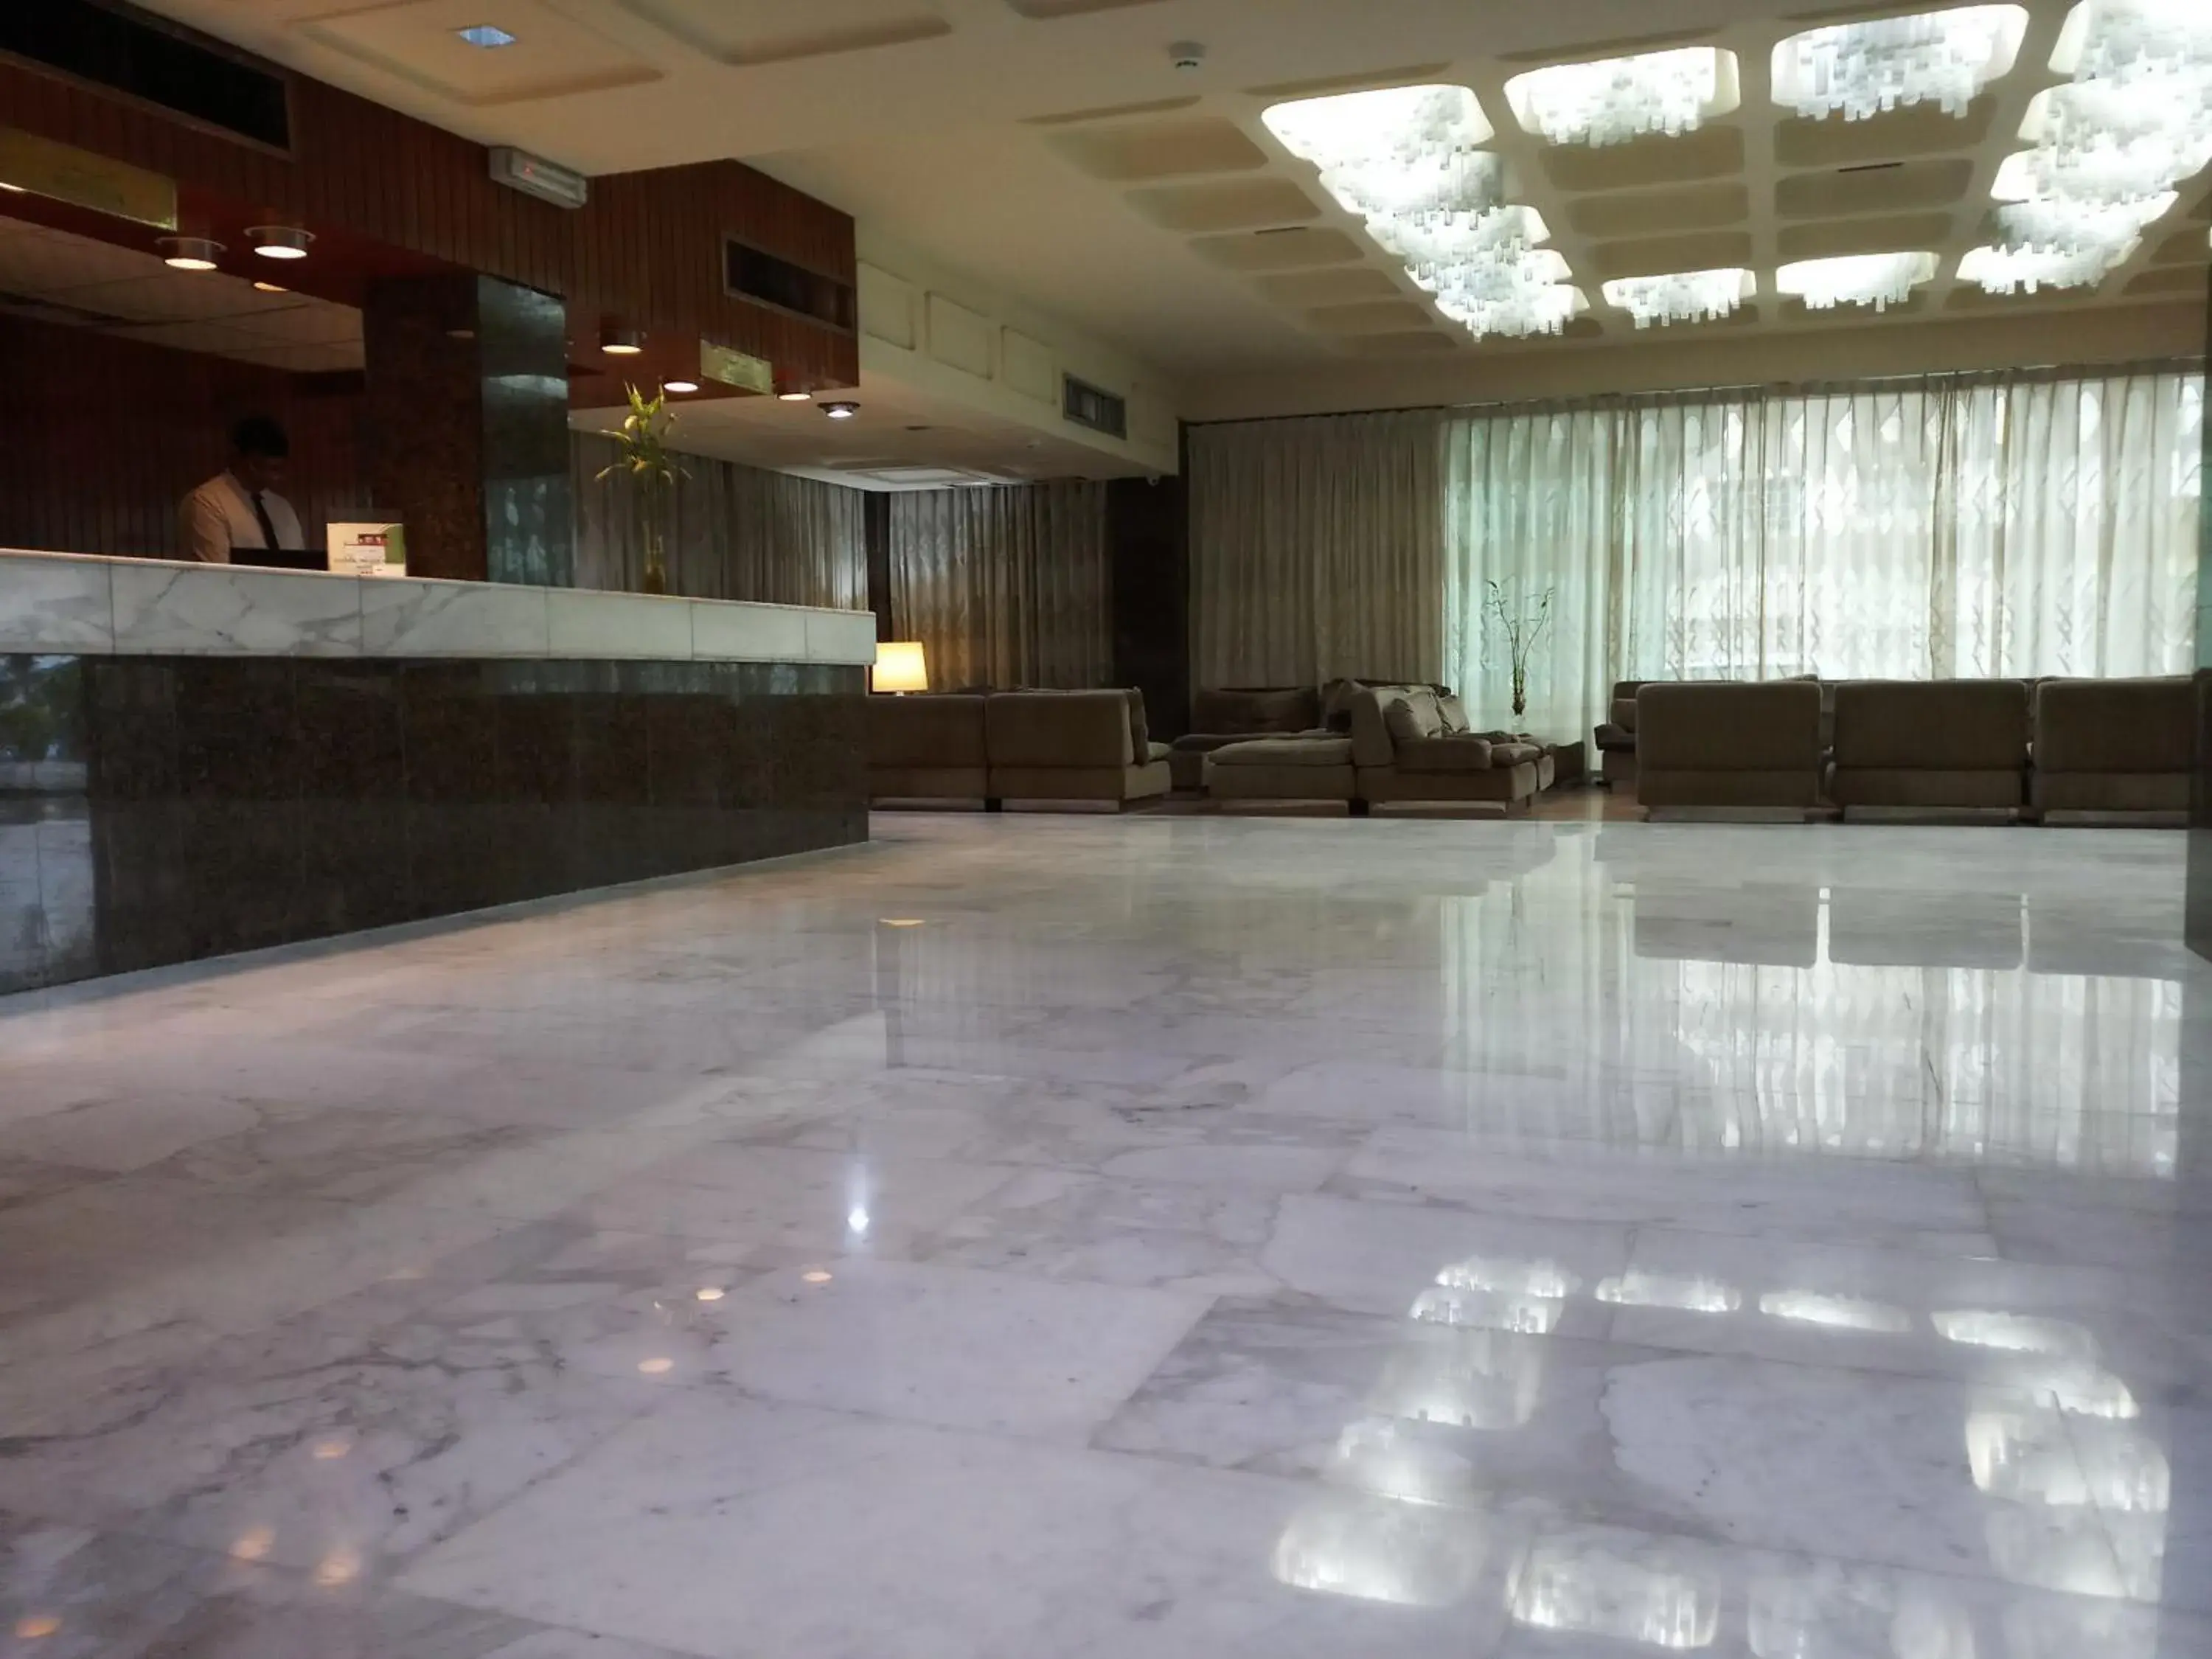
(279, 241)
(189, 252)
(841, 411)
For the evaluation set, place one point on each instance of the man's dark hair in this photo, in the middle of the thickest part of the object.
(258, 434)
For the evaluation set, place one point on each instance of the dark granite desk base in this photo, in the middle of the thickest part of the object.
(159, 810)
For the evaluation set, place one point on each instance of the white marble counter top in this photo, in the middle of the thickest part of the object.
(64, 604)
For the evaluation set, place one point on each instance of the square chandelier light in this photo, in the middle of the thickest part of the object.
(1619, 99)
(1878, 280)
(1409, 162)
(1858, 71)
(2108, 148)
(2026, 270)
(1689, 296)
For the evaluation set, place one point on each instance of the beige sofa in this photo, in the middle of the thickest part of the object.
(1722, 744)
(1951, 744)
(1014, 745)
(1314, 766)
(1232, 715)
(1071, 745)
(2114, 746)
(1409, 746)
(928, 748)
(1616, 737)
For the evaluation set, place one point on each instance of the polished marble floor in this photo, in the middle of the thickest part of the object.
(1200, 1238)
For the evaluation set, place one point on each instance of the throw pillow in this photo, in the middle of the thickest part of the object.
(1140, 738)
(1455, 714)
(1414, 716)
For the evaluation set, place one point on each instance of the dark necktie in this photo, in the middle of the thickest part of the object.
(268, 529)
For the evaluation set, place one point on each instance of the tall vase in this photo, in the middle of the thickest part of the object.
(650, 536)
(1520, 692)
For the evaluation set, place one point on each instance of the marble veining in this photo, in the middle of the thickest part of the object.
(1140, 1239)
(54, 604)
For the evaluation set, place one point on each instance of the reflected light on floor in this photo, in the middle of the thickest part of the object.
(1839, 1312)
(1983, 1327)
(328, 1451)
(656, 1367)
(1376, 1550)
(253, 1544)
(1595, 1595)
(37, 1626)
(340, 1566)
(709, 1293)
(1392, 1460)
(1636, 1290)
(1470, 1379)
(817, 1276)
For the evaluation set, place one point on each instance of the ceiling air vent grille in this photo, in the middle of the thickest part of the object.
(1087, 405)
(113, 47)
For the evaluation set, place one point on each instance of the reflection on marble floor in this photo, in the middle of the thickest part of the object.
(1146, 1238)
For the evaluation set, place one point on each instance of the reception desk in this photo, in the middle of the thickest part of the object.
(200, 759)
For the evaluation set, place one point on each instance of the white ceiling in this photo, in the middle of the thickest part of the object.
(1051, 147)
(901, 439)
(54, 278)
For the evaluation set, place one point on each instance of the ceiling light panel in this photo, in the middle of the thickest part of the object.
(2107, 150)
(1409, 162)
(1620, 99)
(1875, 280)
(1859, 71)
(1689, 296)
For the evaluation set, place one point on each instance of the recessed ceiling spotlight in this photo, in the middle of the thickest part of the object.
(272, 287)
(841, 411)
(189, 252)
(487, 35)
(679, 385)
(619, 342)
(794, 397)
(279, 241)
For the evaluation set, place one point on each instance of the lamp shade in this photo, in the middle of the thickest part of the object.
(900, 666)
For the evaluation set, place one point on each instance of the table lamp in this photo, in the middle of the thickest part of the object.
(900, 667)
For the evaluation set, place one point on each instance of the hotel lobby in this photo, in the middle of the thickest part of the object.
(1105, 829)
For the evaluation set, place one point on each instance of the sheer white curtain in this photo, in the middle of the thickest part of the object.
(1316, 550)
(2016, 526)
(1007, 585)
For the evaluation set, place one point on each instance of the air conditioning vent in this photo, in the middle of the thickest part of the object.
(113, 47)
(1087, 405)
(752, 274)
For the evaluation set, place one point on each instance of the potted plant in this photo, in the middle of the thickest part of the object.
(642, 453)
(1517, 623)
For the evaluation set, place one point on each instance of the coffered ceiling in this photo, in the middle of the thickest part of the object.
(1054, 149)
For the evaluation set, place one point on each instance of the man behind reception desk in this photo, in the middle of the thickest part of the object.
(238, 508)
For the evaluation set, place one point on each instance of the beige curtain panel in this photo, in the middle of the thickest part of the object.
(1316, 551)
(735, 533)
(1006, 586)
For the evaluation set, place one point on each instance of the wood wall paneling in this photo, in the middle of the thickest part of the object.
(648, 248)
(119, 432)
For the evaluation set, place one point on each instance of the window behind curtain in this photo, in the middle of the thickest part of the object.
(1911, 529)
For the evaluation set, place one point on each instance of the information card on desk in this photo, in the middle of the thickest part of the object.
(368, 550)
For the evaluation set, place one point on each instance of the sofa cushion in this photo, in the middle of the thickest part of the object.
(926, 732)
(2115, 726)
(1941, 725)
(1612, 738)
(1709, 726)
(1516, 753)
(1286, 752)
(1445, 754)
(1336, 699)
(1031, 729)
(1412, 714)
(1235, 712)
(1454, 714)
